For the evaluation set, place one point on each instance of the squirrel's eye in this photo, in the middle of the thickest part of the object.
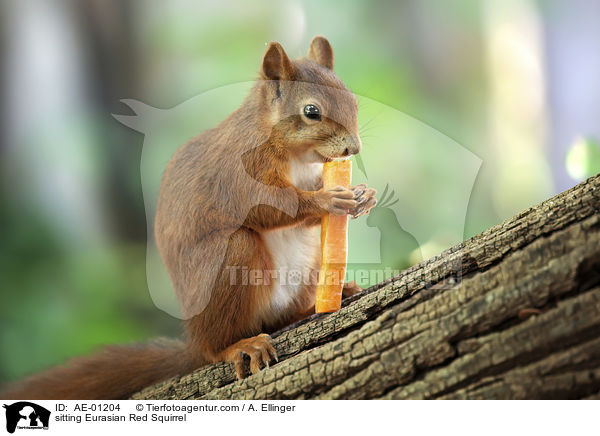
(312, 112)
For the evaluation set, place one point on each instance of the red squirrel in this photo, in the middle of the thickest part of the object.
(242, 197)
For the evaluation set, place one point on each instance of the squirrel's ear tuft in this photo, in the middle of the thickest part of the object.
(321, 52)
(276, 65)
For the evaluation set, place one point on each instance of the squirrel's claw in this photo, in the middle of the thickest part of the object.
(365, 200)
(259, 349)
(337, 201)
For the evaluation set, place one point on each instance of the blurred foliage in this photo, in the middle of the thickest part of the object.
(583, 159)
(57, 302)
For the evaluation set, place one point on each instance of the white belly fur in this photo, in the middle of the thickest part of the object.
(294, 249)
(294, 252)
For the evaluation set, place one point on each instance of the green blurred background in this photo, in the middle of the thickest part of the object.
(514, 82)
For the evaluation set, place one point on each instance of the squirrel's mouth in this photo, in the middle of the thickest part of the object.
(325, 159)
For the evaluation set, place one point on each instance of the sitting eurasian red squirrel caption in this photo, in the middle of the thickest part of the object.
(242, 197)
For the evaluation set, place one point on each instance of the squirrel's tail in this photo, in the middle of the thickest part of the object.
(113, 373)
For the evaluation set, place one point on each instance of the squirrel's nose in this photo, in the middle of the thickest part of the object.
(353, 146)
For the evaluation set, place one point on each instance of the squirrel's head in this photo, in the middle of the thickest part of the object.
(307, 107)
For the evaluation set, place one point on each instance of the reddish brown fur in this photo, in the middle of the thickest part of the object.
(194, 215)
(113, 373)
(219, 192)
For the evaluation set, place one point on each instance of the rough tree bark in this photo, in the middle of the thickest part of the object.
(513, 312)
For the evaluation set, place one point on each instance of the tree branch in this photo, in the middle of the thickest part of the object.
(513, 312)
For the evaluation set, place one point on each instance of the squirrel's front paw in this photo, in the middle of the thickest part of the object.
(337, 201)
(365, 200)
(260, 350)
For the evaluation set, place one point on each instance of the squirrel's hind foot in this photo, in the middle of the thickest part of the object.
(258, 348)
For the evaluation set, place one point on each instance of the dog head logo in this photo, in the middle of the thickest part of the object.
(26, 415)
